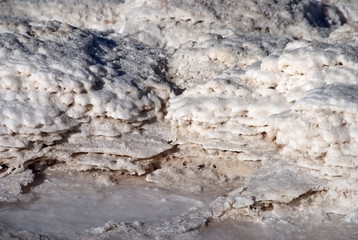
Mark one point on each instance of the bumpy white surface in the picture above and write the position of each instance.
(87, 91)
(255, 98)
(212, 54)
(222, 114)
(172, 23)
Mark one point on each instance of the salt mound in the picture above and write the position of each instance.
(303, 66)
(75, 96)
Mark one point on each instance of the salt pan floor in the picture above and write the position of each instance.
(67, 205)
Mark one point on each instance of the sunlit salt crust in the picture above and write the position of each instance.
(256, 99)
(87, 91)
(166, 23)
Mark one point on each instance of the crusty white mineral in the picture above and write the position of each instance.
(72, 95)
(222, 114)
(249, 106)
(212, 54)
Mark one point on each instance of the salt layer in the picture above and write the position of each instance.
(221, 114)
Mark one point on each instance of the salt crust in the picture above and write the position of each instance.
(222, 114)
(210, 55)
(166, 23)
(327, 130)
(287, 102)
(299, 105)
(60, 84)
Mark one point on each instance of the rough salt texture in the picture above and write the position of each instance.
(326, 121)
(255, 98)
(78, 96)
(172, 23)
(298, 105)
(203, 59)
(225, 115)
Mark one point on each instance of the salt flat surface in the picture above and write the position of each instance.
(248, 106)
(67, 204)
(281, 230)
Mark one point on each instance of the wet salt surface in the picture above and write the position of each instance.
(231, 230)
(67, 204)
(64, 207)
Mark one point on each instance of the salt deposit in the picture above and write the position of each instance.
(59, 84)
(250, 106)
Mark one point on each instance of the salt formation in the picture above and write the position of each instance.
(251, 102)
(75, 96)
(172, 23)
(223, 115)
(212, 54)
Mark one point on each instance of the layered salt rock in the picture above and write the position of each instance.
(298, 104)
(195, 169)
(79, 97)
(326, 136)
(320, 80)
(315, 165)
(222, 114)
(95, 101)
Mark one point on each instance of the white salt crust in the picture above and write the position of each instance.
(222, 114)
(258, 99)
(172, 23)
(299, 105)
(62, 84)
(212, 54)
